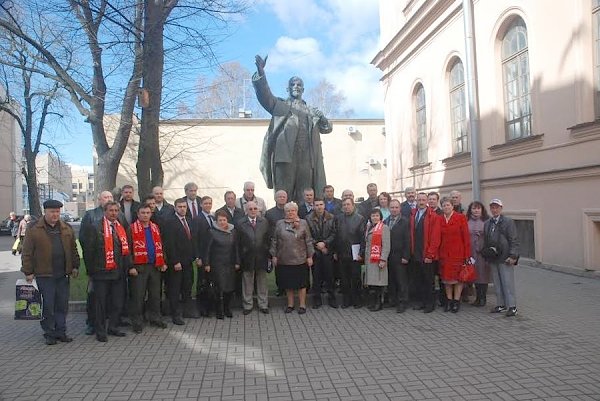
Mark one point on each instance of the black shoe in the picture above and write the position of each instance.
(344, 306)
(455, 306)
(115, 332)
(301, 310)
(400, 307)
(429, 309)
(499, 309)
(358, 305)
(418, 307)
(64, 339)
(178, 321)
(158, 323)
(90, 330)
(228, 313)
(247, 311)
(101, 338)
(332, 301)
(289, 309)
(512, 311)
(317, 305)
(137, 328)
(264, 311)
(51, 341)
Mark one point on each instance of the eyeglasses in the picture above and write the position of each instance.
(252, 208)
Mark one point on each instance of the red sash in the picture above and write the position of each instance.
(108, 243)
(140, 251)
(376, 242)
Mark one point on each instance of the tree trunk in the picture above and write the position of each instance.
(33, 193)
(149, 166)
(105, 178)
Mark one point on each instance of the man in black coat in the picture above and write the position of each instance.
(332, 204)
(350, 233)
(398, 257)
(273, 215)
(234, 213)
(192, 200)
(322, 229)
(372, 201)
(181, 250)
(253, 246)
(129, 206)
(106, 269)
(163, 208)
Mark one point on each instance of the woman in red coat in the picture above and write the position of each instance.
(455, 251)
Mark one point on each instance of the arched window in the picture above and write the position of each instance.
(515, 71)
(458, 115)
(421, 120)
(596, 28)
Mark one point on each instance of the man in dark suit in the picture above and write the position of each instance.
(181, 252)
(273, 215)
(192, 200)
(332, 204)
(398, 257)
(234, 213)
(410, 203)
(307, 205)
(129, 206)
(253, 245)
(425, 236)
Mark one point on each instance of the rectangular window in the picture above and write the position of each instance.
(526, 235)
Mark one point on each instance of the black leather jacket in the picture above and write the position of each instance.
(350, 229)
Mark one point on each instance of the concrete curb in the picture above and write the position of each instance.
(571, 270)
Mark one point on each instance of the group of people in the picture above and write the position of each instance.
(379, 251)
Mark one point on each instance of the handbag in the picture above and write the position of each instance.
(467, 273)
(28, 303)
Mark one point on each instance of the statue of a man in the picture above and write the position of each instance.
(292, 159)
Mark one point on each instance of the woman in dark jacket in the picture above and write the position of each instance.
(477, 216)
(221, 262)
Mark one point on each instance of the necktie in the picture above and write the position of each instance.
(253, 223)
(194, 210)
(187, 228)
(419, 215)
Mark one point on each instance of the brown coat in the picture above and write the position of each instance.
(37, 249)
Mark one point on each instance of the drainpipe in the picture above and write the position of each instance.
(471, 85)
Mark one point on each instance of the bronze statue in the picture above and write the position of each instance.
(291, 158)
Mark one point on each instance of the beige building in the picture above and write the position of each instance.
(220, 155)
(11, 180)
(54, 178)
(538, 68)
(82, 190)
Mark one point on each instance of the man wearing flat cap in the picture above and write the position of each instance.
(50, 256)
(501, 250)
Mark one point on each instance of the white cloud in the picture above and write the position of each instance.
(332, 39)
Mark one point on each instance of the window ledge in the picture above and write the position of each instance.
(420, 167)
(589, 129)
(517, 145)
(458, 160)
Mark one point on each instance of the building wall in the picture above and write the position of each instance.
(220, 155)
(550, 177)
(54, 177)
(10, 162)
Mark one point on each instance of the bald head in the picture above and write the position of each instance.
(104, 197)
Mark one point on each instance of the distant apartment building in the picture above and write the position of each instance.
(537, 67)
(82, 190)
(54, 178)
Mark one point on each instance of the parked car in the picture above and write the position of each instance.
(66, 217)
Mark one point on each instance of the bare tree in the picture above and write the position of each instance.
(29, 101)
(327, 98)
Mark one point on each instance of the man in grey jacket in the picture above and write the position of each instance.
(501, 250)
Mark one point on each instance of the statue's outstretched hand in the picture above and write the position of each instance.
(260, 64)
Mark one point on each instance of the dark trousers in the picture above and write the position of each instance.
(351, 282)
(90, 305)
(397, 282)
(108, 301)
(147, 280)
(322, 272)
(425, 284)
(179, 288)
(55, 304)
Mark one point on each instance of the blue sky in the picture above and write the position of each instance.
(314, 39)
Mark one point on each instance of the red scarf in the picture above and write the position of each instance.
(376, 242)
(108, 243)
(140, 252)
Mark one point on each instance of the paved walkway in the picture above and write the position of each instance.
(551, 351)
